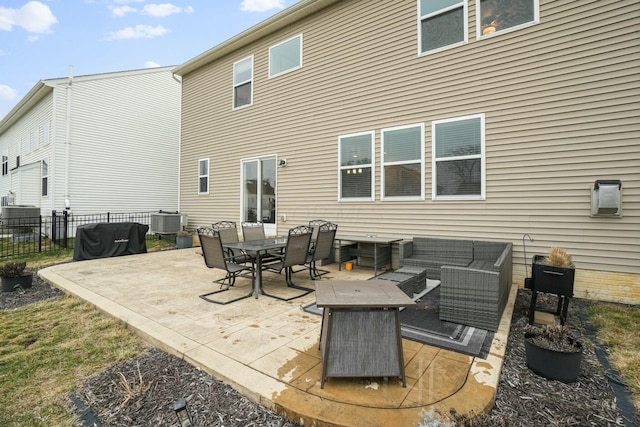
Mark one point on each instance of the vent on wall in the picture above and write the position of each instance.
(606, 198)
(166, 223)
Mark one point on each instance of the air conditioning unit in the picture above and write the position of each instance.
(20, 216)
(166, 223)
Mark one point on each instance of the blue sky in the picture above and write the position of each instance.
(40, 39)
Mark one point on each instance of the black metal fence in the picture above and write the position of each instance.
(30, 235)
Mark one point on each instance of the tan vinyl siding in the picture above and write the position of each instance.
(561, 101)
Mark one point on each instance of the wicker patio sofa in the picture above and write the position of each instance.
(475, 277)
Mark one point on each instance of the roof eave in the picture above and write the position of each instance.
(287, 17)
(35, 95)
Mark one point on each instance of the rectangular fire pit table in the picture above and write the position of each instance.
(360, 334)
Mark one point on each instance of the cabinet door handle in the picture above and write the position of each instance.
(556, 273)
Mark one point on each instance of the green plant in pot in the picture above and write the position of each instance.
(13, 276)
(553, 352)
(184, 239)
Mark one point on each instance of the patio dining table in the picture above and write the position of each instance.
(260, 248)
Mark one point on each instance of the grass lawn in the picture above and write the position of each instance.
(618, 328)
(49, 349)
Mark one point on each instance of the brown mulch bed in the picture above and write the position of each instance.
(142, 390)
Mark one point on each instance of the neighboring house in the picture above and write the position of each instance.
(479, 119)
(95, 143)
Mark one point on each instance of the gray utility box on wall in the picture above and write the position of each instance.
(166, 223)
(606, 198)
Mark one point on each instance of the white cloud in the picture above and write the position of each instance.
(138, 32)
(35, 17)
(261, 5)
(7, 93)
(164, 9)
(122, 10)
(151, 64)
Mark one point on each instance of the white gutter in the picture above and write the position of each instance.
(67, 140)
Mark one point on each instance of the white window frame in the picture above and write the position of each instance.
(372, 165)
(242, 82)
(288, 70)
(201, 176)
(421, 17)
(44, 186)
(479, 29)
(481, 156)
(403, 162)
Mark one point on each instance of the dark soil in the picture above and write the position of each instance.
(142, 390)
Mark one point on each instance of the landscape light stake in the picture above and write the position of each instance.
(184, 417)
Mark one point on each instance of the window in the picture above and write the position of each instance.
(403, 162)
(243, 83)
(203, 176)
(356, 167)
(459, 158)
(498, 16)
(45, 177)
(286, 56)
(5, 164)
(443, 24)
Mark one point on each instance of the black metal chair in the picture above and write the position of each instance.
(321, 249)
(255, 231)
(215, 257)
(295, 253)
(229, 234)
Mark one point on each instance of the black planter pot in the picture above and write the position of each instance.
(183, 242)
(551, 364)
(12, 283)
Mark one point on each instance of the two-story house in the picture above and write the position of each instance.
(481, 119)
(94, 143)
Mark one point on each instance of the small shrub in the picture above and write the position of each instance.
(559, 257)
(553, 337)
(183, 233)
(12, 269)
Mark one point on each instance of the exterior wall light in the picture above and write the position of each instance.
(182, 413)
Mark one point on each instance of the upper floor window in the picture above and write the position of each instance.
(356, 167)
(403, 162)
(285, 56)
(5, 164)
(243, 83)
(443, 24)
(498, 16)
(203, 176)
(459, 158)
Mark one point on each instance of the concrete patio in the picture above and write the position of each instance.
(268, 349)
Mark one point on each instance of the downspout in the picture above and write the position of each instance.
(179, 141)
(67, 140)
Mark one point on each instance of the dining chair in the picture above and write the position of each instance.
(253, 231)
(215, 257)
(295, 253)
(229, 234)
(315, 224)
(321, 249)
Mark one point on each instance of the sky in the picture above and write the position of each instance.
(39, 40)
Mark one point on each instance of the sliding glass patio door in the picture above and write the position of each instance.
(259, 192)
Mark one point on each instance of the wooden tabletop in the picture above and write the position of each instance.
(360, 294)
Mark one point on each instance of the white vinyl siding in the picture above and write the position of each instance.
(286, 56)
(203, 176)
(459, 158)
(442, 24)
(403, 163)
(243, 83)
(497, 17)
(356, 173)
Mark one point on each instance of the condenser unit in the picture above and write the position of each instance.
(166, 223)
